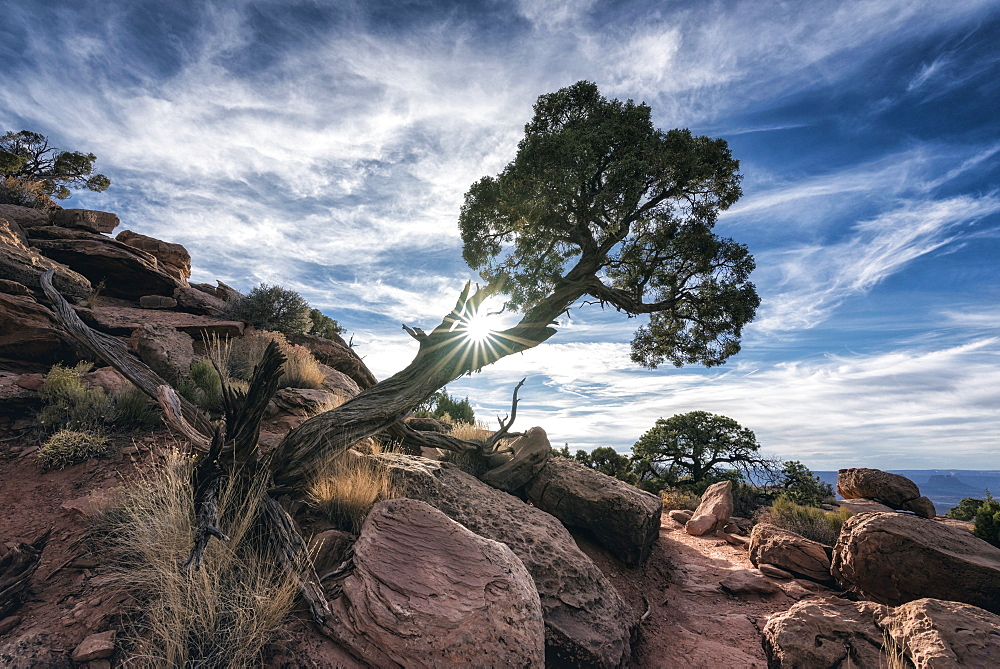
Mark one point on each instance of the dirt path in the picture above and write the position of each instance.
(692, 622)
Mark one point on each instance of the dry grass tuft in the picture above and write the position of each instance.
(347, 488)
(239, 356)
(221, 615)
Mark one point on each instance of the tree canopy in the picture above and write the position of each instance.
(693, 445)
(598, 202)
(27, 155)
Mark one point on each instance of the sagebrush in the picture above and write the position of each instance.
(70, 447)
(807, 521)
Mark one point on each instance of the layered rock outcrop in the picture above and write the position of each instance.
(789, 552)
(893, 490)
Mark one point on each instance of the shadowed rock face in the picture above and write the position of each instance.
(895, 558)
(29, 333)
(623, 519)
(23, 264)
(586, 622)
(427, 592)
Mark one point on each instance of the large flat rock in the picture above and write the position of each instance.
(586, 622)
(122, 321)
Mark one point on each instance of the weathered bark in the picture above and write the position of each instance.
(444, 355)
(16, 569)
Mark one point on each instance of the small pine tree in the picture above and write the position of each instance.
(273, 308)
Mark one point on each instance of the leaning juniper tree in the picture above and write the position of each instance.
(597, 207)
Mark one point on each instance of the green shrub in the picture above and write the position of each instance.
(810, 522)
(966, 509)
(207, 385)
(323, 325)
(273, 308)
(131, 409)
(802, 486)
(749, 499)
(68, 403)
(987, 521)
(69, 447)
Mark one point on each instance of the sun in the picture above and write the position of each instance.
(477, 327)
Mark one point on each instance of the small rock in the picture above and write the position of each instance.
(30, 381)
(681, 516)
(922, 506)
(749, 582)
(795, 590)
(85, 219)
(700, 524)
(9, 623)
(865, 506)
(773, 571)
(95, 647)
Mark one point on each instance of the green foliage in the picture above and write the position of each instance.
(206, 386)
(808, 521)
(966, 509)
(608, 461)
(802, 486)
(444, 407)
(70, 447)
(987, 521)
(272, 308)
(27, 156)
(748, 499)
(564, 451)
(692, 447)
(679, 498)
(68, 403)
(131, 409)
(323, 325)
(601, 202)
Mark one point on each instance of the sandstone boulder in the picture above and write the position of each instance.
(122, 321)
(895, 558)
(623, 520)
(772, 571)
(681, 516)
(529, 454)
(85, 219)
(25, 265)
(790, 552)
(922, 506)
(936, 634)
(890, 489)
(713, 513)
(166, 350)
(14, 288)
(127, 272)
(586, 621)
(862, 505)
(329, 549)
(173, 258)
(107, 379)
(157, 302)
(15, 400)
(29, 333)
(339, 383)
(196, 301)
(825, 634)
(95, 647)
(427, 592)
(303, 401)
(337, 354)
(26, 217)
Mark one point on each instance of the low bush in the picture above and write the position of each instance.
(272, 308)
(347, 488)
(679, 498)
(749, 499)
(221, 615)
(132, 409)
(68, 403)
(24, 193)
(323, 325)
(810, 522)
(966, 509)
(987, 521)
(70, 447)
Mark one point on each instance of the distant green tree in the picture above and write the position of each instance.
(272, 308)
(443, 405)
(987, 521)
(695, 446)
(802, 486)
(966, 509)
(608, 461)
(323, 325)
(27, 156)
(563, 452)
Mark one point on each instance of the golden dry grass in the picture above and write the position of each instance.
(221, 615)
(348, 486)
(238, 357)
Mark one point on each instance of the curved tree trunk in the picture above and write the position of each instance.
(444, 355)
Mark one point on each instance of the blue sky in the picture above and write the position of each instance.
(326, 147)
